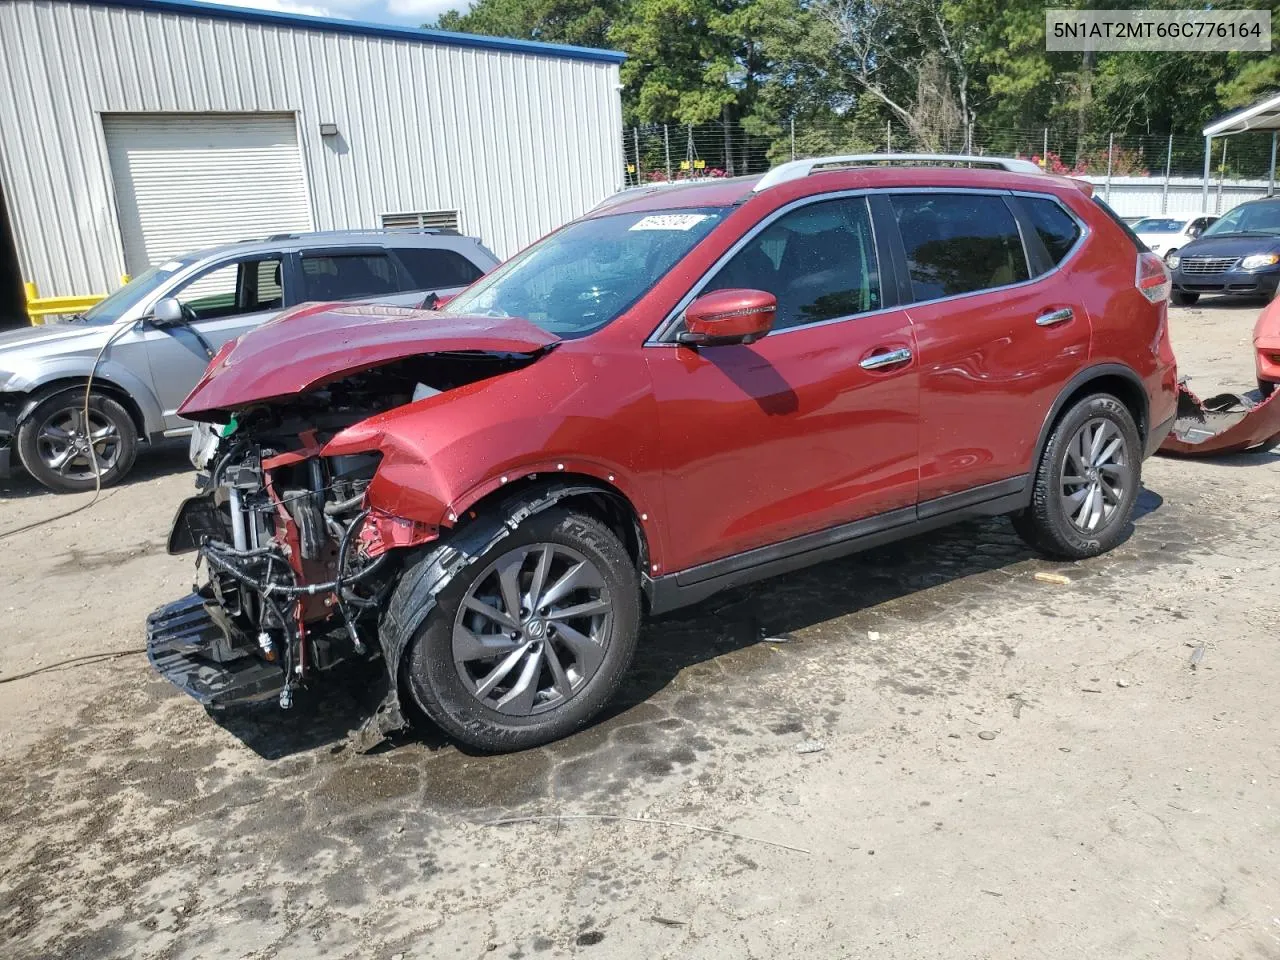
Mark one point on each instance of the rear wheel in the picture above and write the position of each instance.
(63, 451)
(1182, 299)
(1086, 482)
(529, 642)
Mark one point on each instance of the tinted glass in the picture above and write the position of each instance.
(432, 269)
(1261, 218)
(233, 289)
(958, 243)
(348, 277)
(819, 261)
(1056, 229)
(586, 274)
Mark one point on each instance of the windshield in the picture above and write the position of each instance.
(1248, 218)
(114, 307)
(586, 275)
(1157, 225)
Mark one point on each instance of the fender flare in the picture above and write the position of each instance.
(1082, 379)
(414, 596)
(613, 482)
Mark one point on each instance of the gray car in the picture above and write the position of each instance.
(147, 344)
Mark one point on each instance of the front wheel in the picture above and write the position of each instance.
(1181, 298)
(530, 640)
(1086, 482)
(64, 451)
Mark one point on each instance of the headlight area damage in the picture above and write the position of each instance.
(1226, 423)
(295, 557)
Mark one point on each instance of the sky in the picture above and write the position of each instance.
(407, 13)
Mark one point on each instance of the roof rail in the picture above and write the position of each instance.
(371, 231)
(796, 169)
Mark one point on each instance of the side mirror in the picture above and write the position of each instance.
(434, 301)
(168, 313)
(728, 316)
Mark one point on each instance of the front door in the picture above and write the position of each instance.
(222, 302)
(808, 428)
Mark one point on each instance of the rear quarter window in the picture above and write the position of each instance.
(432, 269)
(1057, 229)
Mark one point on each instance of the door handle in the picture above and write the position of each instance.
(888, 359)
(1055, 317)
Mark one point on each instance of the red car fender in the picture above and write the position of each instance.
(444, 454)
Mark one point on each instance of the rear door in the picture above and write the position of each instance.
(224, 300)
(999, 331)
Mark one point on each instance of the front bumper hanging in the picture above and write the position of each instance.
(191, 650)
(1226, 423)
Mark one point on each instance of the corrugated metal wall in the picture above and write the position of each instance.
(519, 142)
(1145, 196)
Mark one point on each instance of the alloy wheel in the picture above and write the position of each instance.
(69, 445)
(1095, 475)
(532, 629)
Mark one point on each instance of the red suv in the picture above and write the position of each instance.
(690, 388)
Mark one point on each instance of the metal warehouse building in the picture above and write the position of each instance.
(139, 129)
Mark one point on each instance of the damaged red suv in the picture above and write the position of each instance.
(690, 388)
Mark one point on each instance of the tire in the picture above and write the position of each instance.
(1050, 524)
(1265, 388)
(1183, 299)
(503, 718)
(54, 427)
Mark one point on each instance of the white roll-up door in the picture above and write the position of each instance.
(187, 181)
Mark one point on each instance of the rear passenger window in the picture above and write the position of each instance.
(347, 277)
(432, 269)
(1055, 228)
(958, 243)
(819, 261)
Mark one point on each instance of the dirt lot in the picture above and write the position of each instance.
(1008, 768)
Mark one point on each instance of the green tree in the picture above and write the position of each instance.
(584, 23)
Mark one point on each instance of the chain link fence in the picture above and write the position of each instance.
(661, 153)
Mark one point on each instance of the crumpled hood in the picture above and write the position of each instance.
(305, 348)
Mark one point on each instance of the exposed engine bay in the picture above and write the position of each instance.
(294, 562)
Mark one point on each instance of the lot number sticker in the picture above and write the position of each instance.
(670, 221)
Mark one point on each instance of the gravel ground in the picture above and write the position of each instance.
(936, 755)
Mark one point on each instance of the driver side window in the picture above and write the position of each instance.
(818, 260)
(233, 289)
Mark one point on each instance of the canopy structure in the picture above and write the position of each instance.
(1263, 115)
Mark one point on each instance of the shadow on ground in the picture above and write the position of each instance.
(720, 625)
(154, 461)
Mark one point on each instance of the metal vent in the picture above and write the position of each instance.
(1207, 265)
(442, 220)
